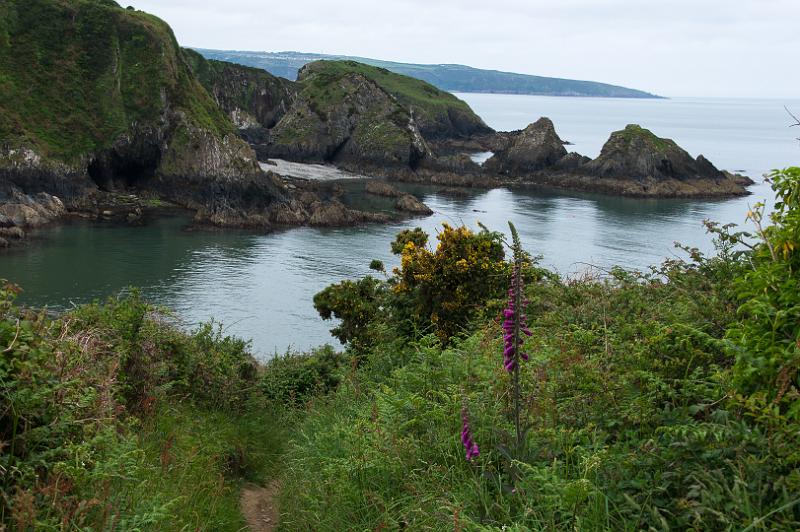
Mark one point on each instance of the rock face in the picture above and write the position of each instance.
(535, 148)
(351, 113)
(438, 114)
(343, 116)
(252, 98)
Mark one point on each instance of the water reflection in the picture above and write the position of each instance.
(261, 286)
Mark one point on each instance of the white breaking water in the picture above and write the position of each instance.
(313, 172)
(481, 157)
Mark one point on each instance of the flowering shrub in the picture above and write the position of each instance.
(447, 286)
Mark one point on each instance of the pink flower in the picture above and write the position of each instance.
(470, 446)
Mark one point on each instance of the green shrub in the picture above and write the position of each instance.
(768, 335)
(357, 304)
(112, 418)
(295, 378)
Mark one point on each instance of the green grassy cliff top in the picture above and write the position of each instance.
(77, 74)
(438, 112)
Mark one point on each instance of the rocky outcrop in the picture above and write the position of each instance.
(343, 119)
(535, 148)
(405, 202)
(350, 113)
(20, 211)
(439, 115)
(633, 162)
(636, 153)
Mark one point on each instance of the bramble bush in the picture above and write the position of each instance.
(293, 379)
(767, 336)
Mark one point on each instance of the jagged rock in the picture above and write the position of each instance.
(18, 209)
(408, 203)
(535, 148)
(571, 162)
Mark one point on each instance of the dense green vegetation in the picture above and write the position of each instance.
(111, 418)
(98, 70)
(456, 78)
(659, 400)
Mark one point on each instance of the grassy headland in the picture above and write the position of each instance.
(98, 71)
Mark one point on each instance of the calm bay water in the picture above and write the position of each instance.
(261, 286)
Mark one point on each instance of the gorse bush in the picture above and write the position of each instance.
(439, 290)
(448, 286)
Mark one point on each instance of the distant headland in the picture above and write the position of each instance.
(453, 78)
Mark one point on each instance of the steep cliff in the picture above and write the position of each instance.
(252, 97)
(97, 96)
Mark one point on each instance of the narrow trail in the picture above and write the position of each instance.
(260, 506)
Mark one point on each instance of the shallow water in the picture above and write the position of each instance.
(261, 286)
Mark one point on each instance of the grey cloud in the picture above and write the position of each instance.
(672, 47)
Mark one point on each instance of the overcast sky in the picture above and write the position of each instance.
(671, 47)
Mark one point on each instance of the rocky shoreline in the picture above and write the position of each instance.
(194, 135)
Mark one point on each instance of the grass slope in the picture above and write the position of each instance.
(77, 74)
(438, 113)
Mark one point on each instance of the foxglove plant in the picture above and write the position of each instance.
(470, 446)
(514, 327)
